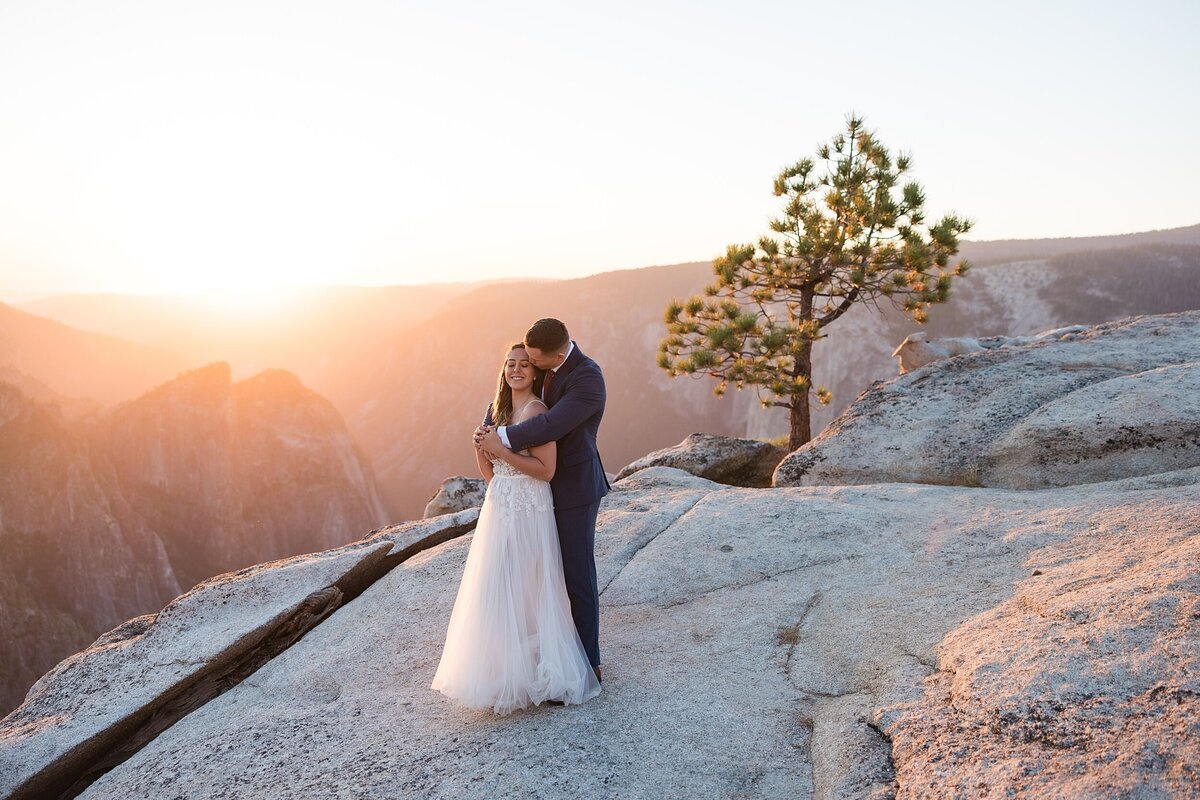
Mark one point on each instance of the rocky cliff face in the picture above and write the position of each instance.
(114, 515)
(74, 557)
(887, 639)
(239, 473)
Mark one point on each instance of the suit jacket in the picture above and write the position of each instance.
(576, 405)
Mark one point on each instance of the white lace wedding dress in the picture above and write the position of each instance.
(511, 641)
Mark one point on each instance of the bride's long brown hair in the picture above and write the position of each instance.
(502, 406)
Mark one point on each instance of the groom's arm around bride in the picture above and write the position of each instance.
(578, 398)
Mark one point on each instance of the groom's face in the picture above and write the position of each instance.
(544, 359)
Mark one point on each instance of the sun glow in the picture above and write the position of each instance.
(242, 208)
(152, 147)
(245, 303)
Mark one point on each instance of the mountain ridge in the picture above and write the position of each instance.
(405, 383)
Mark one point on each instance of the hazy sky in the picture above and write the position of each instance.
(169, 146)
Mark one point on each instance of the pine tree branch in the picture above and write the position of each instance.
(842, 308)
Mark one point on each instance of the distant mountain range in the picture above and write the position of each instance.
(1009, 250)
(77, 363)
(411, 368)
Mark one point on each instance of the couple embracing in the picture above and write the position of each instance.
(526, 621)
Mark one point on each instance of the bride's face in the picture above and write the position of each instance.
(518, 371)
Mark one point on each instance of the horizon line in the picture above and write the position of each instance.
(13, 297)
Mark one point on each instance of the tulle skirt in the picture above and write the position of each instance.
(511, 641)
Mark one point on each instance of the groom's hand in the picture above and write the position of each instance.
(491, 441)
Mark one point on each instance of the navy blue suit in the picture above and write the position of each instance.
(576, 405)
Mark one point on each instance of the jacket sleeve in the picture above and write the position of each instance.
(583, 398)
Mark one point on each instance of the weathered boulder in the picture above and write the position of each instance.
(735, 462)
(457, 493)
(1113, 401)
(1130, 425)
(235, 473)
(918, 349)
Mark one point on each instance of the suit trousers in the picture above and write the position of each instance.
(577, 540)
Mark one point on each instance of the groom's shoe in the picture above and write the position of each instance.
(597, 671)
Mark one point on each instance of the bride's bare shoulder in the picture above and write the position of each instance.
(532, 409)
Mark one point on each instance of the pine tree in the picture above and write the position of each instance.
(850, 233)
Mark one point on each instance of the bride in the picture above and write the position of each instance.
(511, 641)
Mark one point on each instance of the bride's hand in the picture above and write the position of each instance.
(477, 437)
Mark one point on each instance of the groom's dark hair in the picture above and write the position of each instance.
(548, 335)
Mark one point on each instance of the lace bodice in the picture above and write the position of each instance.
(501, 467)
(514, 492)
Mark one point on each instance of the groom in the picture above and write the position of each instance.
(573, 390)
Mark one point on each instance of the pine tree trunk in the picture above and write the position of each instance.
(801, 419)
(801, 422)
(801, 430)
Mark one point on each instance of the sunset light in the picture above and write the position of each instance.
(159, 147)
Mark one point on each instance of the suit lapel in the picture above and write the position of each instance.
(560, 377)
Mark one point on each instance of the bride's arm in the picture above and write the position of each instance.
(541, 459)
(582, 400)
(485, 466)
